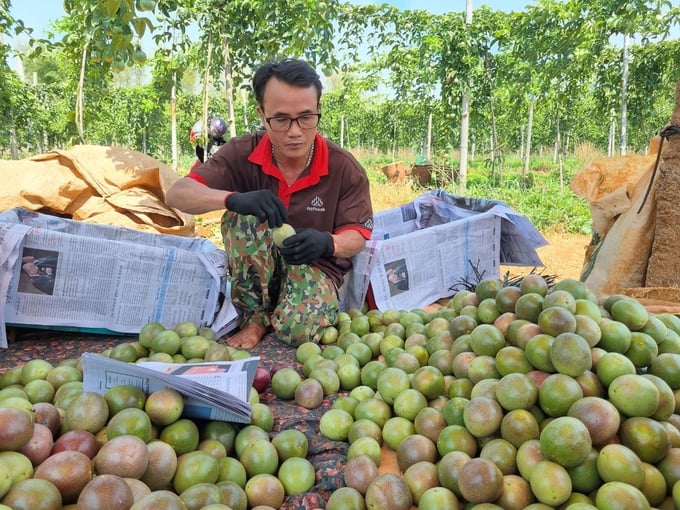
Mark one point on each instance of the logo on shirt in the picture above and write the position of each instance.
(369, 224)
(316, 205)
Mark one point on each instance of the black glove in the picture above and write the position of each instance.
(262, 204)
(306, 246)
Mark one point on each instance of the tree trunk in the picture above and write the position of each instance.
(173, 114)
(173, 122)
(558, 137)
(624, 93)
(492, 152)
(464, 120)
(14, 150)
(394, 142)
(342, 130)
(428, 150)
(612, 133)
(530, 125)
(558, 150)
(244, 100)
(206, 85)
(79, 95)
(496, 160)
(229, 88)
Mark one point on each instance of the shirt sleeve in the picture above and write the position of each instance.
(355, 210)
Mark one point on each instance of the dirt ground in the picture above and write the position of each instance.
(563, 256)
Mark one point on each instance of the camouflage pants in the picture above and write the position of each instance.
(298, 302)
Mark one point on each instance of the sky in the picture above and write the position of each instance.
(38, 15)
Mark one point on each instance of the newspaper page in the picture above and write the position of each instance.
(109, 232)
(213, 390)
(432, 263)
(74, 274)
(394, 222)
(387, 224)
(352, 293)
(519, 238)
(10, 242)
(424, 249)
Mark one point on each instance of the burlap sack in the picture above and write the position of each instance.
(634, 203)
(97, 184)
(622, 237)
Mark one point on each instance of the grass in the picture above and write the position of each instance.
(543, 196)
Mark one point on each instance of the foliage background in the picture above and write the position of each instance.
(550, 87)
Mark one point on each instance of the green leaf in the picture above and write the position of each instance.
(140, 25)
(111, 7)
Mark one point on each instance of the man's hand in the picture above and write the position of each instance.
(306, 246)
(262, 204)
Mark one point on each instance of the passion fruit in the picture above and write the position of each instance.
(280, 234)
(16, 428)
(389, 491)
(70, 471)
(106, 491)
(480, 481)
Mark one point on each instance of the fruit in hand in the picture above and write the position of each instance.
(280, 234)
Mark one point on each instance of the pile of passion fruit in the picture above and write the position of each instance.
(531, 395)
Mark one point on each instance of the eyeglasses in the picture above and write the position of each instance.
(306, 121)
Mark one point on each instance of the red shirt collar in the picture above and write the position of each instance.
(262, 155)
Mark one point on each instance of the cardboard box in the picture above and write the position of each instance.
(61, 273)
(428, 249)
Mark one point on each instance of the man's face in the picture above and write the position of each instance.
(31, 269)
(283, 100)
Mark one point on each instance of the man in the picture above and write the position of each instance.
(398, 276)
(41, 272)
(286, 173)
(217, 128)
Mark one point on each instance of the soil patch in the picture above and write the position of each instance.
(563, 256)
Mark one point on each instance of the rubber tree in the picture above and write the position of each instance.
(435, 60)
(105, 37)
(13, 92)
(350, 110)
(242, 34)
(630, 20)
(414, 48)
(553, 56)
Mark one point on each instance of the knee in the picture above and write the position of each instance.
(294, 332)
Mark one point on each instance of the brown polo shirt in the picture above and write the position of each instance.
(332, 195)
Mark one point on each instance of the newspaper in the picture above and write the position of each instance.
(417, 269)
(425, 250)
(394, 222)
(213, 390)
(519, 238)
(63, 273)
(11, 237)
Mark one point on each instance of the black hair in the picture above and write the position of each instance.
(291, 71)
